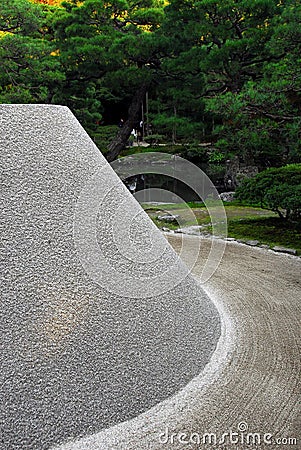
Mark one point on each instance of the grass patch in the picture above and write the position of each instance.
(267, 230)
(136, 149)
(162, 224)
(244, 223)
(238, 212)
(201, 216)
(161, 208)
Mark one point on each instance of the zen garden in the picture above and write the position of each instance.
(150, 224)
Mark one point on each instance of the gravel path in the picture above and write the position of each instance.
(252, 384)
(261, 383)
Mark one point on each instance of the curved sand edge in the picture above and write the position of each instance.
(253, 376)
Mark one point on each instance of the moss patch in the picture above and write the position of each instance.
(244, 223)
(267, 230)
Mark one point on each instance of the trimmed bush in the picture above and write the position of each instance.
(277, 189)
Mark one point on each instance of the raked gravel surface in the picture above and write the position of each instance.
(95, 305)
(252, 383)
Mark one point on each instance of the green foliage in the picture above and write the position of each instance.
(174, 127)
(228, 73)
(268, 231)
(246, 57)
(20, 17)
(155, 139)
(216, 157)
(216, 172)
(194, 152)
(30, 70)
(277, 189)
(244, 223)
(28, 73)
(103, 136)
(110, 45)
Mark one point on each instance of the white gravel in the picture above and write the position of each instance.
(252, 382)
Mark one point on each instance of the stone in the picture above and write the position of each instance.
(168, 217)
(289, 251)
(100, 319)
(252, 243)
(194, 230)
(227, 196)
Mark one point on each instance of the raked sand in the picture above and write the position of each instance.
(100, 319)
(251, 387)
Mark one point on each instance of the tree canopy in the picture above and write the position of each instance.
(227, 73)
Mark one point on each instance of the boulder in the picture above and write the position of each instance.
(168, 217)
(227, 196)
(289, 251)
(252, 243)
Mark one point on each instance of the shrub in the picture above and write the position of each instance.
(104, 135)
(277, 189)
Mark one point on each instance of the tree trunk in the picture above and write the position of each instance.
(118, 144)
